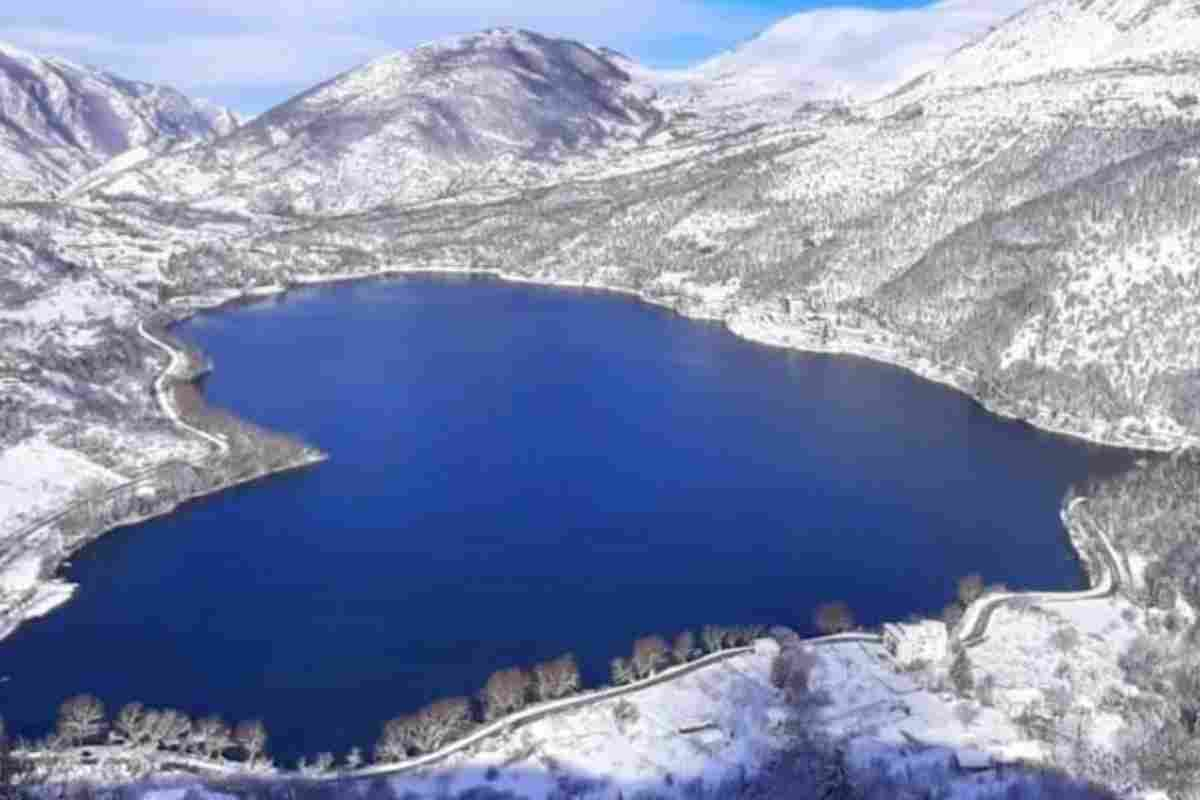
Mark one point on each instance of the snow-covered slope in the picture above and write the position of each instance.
(59, 120)
(837, 53)
(1063, 36)
(415, 125)
(1020, 222)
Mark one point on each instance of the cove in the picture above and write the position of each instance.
(517, 472)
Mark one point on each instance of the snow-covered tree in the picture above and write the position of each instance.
(683, 647)
(557, 678)
(834, 618)
(251, 737)
(649, 654)
(622, 671)
(506, 691)
(81, 719)
(212, 736)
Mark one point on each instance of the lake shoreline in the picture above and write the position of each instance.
(51, 592)
(751, 328)
(762, 328)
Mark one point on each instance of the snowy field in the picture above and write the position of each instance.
(37, 478)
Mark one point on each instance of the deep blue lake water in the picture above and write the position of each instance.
(519, 472)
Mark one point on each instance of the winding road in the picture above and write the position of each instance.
(978, 615)
(175, 366)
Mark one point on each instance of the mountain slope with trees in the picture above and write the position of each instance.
(416, 125)
(58, 121)
(1021, 221)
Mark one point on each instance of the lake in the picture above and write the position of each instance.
(518, 472)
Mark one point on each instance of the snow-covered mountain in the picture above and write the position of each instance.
(1060, 37)
(415, 125)
(1022, 221)
(59, 120)
(837, 53)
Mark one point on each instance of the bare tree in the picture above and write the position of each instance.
(251, 737)
(506, 691)
(834, 618)
(168, 729)
(970, 588)
(319, 765)
(713, 637)
(622, 671)
(741, 635)
(791, 671)
(683, 647)
(354, 759)
(395, 740)
(649, 653)
(212, 736)
(440, 723)
(130, 725)
(557, 678)
(80, 719)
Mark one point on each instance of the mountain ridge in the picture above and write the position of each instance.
(1023, 227)
(59, 120)
(423, 119)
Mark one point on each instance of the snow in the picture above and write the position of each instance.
(1052, 36)
(37, 477)
(634, 741)
(721, 247)
(130, 158)
(851, 52)
(81, 118)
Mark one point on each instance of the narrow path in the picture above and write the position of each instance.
(176, 363)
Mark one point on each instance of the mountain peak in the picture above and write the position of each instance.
(445, 109)
(844, 53)
(61, 120)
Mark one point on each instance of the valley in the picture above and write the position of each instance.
(1015, 222)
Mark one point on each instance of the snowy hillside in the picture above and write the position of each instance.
(875, 218)
(59, 121)
(838, 53)
(1021, 222)
(415, 125)
(1063, 36)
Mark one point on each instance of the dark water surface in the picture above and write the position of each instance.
(517, 472)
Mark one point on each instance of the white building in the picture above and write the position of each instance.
(909, 643)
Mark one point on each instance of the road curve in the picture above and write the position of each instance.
(978, 615)
(175, 364)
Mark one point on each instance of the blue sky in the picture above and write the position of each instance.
(251, 54)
